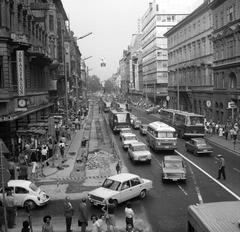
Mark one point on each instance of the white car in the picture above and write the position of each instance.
(124, 131)
(136, 124)
(26, 193)
(138, 151)
(132, 118)
(127, 139)
(121, 187)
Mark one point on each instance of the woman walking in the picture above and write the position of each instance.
(129, 216)
(109, 210)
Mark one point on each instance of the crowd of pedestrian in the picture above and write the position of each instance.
(229, 131)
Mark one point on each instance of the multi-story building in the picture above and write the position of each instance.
(190, 57)
(161, 16)
(226, 63)
(32, 62)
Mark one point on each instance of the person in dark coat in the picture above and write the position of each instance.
(83, 215)
(68, 213)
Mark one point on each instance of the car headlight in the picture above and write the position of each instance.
(158, 143)
(174, 144)
(165, 175)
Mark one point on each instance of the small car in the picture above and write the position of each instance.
(139, 151)
(173, 168)
(121, 187)
(125, 131)
(149, 110)
(27, 193)
(143, 129)
(127, 139)
(198, 146)
(132, 118)
(136, 124)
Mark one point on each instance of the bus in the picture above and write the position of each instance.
(187, 125)
(214, 217)
(106, 105)
(118, 119)
(161, 136)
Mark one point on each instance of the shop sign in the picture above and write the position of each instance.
(21, 73)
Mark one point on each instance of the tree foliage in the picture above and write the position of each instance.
(93, 83)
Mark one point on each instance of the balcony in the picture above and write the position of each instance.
(37, 51)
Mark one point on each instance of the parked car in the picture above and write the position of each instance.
(136, 124)
(125, 131)
(143, 129)
(26, 193)
(139, 151)
(149, 110)
(121, 187)
(198, 146)
(173, 168)
(127, 139)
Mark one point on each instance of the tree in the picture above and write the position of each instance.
(108, 86)
(93, 83)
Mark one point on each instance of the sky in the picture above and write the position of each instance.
(112, 23)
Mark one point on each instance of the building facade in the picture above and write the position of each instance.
(190, 58)
(226, 63)
(32, 62)
(160, 17)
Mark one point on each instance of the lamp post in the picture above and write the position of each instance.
(77, 98)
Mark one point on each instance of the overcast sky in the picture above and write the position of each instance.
(112, 23)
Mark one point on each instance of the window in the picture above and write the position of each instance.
(20, 190)
(230, 13)
(222, 20)
(156, 7)
(216, 21)
(125, 185)
(135, 181)
(230, 49)
(51, 23)
(1, 74)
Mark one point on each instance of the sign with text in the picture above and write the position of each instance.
(21, 73)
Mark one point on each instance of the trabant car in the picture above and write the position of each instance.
(139, 152)
(124, 131)
(173, 168)
(26, 193)
(143, 129)
(121, 187)
(198, 146)
(127, 139)
(136, 124)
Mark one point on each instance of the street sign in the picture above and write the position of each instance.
(231, 105)
(167, 98)
(4, 169)
(208, 103)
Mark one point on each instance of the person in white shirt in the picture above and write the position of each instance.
(129, 216)
(62, 147)
(44, 153)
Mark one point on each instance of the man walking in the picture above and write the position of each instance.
(10, 209)
(68, 213)
(83, 215)
(221, 170)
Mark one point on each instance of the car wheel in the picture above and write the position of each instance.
(163, 180)
(31, 204)
(115, 202)
(142, 194)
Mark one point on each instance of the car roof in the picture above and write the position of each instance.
(137, 144)
(22, 183)
(123, 176)
(128, 134)
(127, 129)
(198, 139)
(173, 158)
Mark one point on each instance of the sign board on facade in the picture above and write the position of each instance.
(231, 105)
(167, 98)
(208, 102)
(21, 73)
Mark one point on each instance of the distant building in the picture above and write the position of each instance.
(190, 57)
(226, 63)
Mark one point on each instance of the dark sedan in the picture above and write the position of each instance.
(198, 146)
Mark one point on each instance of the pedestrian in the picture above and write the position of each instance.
(231, 134)
(100, 221)
(50, 148)
(2, 219)
(22, 158)
(10, 209)
(47, 226)
(11, 168)
(220, 131)
(44, 153)
(83, 215)
(226, 132)
(129, 214)
(234, 135)
(109, 210)
(68, 213)
(118, 167)
(62, 148)
(221, 169)
(25, 226)
(23, 172)
(95, 224)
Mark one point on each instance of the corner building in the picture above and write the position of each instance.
(190, 58)
(226, 63)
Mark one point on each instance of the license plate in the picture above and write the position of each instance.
(174, 179)
(204, 150)
(142, 159)
(167, 146)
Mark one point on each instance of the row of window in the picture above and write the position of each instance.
(224, 17)
(226, 49)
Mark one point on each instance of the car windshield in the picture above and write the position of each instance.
(202, 143)
(173, 164)
(140, 148)
(131, 138)
(165, 135)
(33, 187)
(195, 120)
(111, 184)
(126, 131)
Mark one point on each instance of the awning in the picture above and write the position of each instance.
(21, 114)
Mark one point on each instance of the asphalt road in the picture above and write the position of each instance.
(166, 204)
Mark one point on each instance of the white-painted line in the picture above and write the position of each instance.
(182, 189)
(236, 169)
(228, 190)
(157, 161)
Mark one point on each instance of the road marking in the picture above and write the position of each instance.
(228, 190)
(236, 169)
(157, 160)
(182, 189)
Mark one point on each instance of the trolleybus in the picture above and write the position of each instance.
(119, 119)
